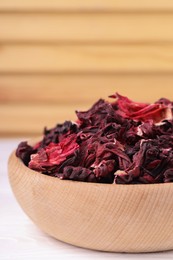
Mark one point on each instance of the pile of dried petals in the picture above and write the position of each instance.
(122, 142)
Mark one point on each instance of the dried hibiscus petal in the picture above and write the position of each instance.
(53, 154)
(24, 151)
(123, 142)
(78, 174)
(138, 111)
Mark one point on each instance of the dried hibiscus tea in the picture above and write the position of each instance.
(120, 142)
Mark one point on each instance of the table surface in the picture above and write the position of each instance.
(20, 239)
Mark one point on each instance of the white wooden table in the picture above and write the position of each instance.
(20, 239)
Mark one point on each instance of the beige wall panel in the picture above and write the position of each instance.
(31, 119)
(57, 5)
(86, 58)
(82, 89)
(102, 27)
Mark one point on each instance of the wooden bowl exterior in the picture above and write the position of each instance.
(107, 217)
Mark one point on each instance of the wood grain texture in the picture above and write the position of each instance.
(110, 5)
(86, 27)
(22, 58)
(77, 89)
(31, 119)
(107, 217)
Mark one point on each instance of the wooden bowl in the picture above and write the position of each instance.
(107, 217)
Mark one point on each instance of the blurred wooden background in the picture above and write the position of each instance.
(59, 56)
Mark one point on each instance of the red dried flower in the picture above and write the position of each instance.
(123, 142)
(53, 154)
(158, 111)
